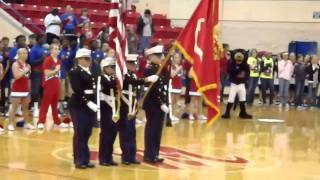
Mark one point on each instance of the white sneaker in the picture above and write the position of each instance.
(287, 106)
(29, 126)
(300, 108)
(203, 117)
(191, 117)
(62, 125)
(71, 125)
(40, 126)
(10, 127)
(174, 118)
(1, 130)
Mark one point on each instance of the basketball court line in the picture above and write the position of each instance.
(40, 172)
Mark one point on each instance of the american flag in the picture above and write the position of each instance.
(117, 38)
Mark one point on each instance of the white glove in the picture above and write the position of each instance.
(152, 78)
(93, 106)
(165, 108)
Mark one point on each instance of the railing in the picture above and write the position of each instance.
(21, 18)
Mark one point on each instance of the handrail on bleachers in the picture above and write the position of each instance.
(22, 19)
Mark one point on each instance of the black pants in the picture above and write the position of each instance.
(127, 135)
(267, 83)
(36, 88)
(50, 37)
(108, 134)
(153, 132)
(83, 119)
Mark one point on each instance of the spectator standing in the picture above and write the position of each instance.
(37, 56)
(299, 74)
(285, 72)
(311, 75)
(254, 64)
(52, 22)
(84, 17)
(145, 30)
(132, 40)
(267, 74)
(69, 21)
(224, 69)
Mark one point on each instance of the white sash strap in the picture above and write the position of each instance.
(19, 94)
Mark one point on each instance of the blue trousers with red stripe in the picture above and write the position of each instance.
(153, 132)
(108, 133)
(127, 135)
(83, 121)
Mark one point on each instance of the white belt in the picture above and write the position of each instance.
(90, 91)
(127, 92)
(108, 99)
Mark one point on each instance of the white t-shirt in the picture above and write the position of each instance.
(54, 29)
(147, 28)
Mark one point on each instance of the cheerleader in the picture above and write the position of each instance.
(20, 93)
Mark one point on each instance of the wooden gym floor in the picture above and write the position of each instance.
(231, 150)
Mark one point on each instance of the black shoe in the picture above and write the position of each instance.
(148, 160)
(243, 113)
(135, 162)
(126, 163)
(245, 116)
(90, 165)
(226, 115)
(159, 160)
(83, 166)
(111, 163)
(185, 116)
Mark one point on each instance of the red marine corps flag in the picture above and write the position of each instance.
(199, 44)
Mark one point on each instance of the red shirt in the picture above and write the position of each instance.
(50, 64)
(142, 66)
(224, 64)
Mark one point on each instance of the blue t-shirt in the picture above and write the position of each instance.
(96, 57)
(37, 52)
(71, 25)
(13, 53)
(66, 62)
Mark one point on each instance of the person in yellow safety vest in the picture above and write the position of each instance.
(254, 63)
(266, 77)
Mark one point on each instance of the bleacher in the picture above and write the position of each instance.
(36, 10)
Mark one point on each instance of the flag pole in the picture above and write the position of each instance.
(164, 63)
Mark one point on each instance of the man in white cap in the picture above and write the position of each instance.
(109, 112)
(82, 107)
(128, 110)
(155, 106)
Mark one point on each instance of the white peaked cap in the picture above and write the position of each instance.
(132, 57)
(108, 61)
(83, 53)
(155, 50)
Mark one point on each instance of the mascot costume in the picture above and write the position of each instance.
(239, 71)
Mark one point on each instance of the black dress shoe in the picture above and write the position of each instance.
(83, 166)
(111, 163)
(126, 163)
(149, 160)
(135, 162)
(159, 160)
(90, 165)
